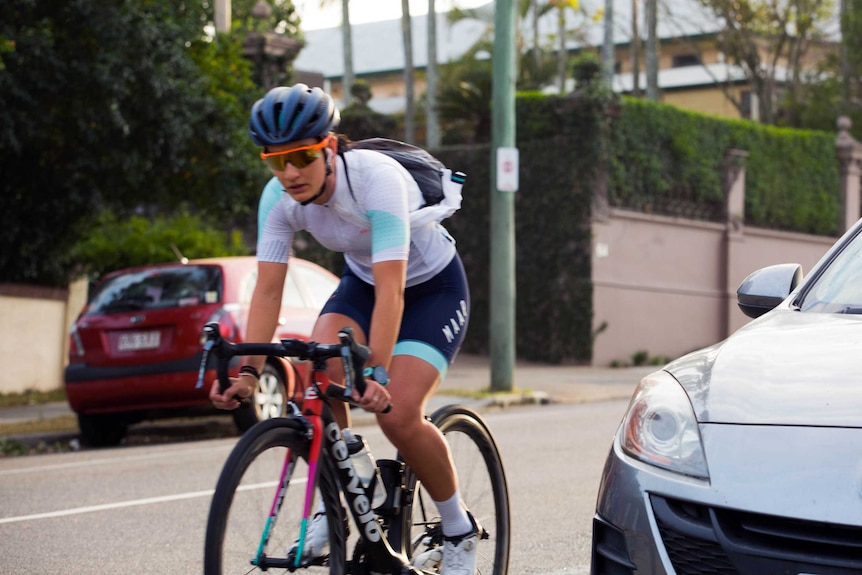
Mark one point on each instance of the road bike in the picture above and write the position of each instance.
(266, 493)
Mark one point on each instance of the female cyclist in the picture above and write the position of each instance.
(403, 290)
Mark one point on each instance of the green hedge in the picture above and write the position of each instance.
(669, 161)
(558, 161)
(659, 159)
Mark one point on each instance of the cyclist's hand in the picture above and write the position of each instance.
(241, 388)
(375, 399)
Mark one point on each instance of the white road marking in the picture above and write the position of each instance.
(104, 461)
(134, 502)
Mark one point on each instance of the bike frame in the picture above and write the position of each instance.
(325, 434)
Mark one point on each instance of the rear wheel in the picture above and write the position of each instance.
(481, 483)
(106, 430)
(270, 399)
(236, 541)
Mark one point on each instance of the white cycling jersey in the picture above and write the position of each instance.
(372, 224)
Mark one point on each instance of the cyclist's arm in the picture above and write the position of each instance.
(265, 308)
(386, 207)
(262, 319)
(389, 279)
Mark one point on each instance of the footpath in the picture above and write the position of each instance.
(534, 384)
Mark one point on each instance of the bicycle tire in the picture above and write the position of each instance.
(244, 496)
(482, 485)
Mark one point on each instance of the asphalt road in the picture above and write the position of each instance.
(143, 508)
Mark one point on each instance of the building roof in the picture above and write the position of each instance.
(378, 46)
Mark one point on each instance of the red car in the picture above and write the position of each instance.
(135, 350)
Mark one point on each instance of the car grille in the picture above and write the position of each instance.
(703, 540)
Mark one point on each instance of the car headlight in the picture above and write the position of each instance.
(660, 428)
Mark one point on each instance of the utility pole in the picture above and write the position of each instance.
(502, 296)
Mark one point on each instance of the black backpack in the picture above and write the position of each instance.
(426, 169)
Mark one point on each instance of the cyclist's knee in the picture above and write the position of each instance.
(402, 422)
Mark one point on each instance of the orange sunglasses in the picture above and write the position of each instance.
(296, 157)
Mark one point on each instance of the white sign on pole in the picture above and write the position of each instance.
(507, 169)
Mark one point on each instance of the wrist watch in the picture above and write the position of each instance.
(377, 373)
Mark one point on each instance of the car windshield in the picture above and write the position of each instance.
(158, 288)
(839, 287)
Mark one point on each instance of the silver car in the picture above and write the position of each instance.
(746, 457)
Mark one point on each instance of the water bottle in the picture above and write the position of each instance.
(365, 467)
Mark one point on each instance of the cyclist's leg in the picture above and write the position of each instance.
(423, 447)
(434, 324)
(482, 485)
(419, 442)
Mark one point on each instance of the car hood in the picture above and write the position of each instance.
(785, 368)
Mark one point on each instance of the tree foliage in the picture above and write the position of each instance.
(359, 121)
(118, 104)
(465, 95)
(771, 41)
(120, 242)
(834, 88)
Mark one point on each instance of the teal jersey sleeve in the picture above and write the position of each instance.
(268, 199)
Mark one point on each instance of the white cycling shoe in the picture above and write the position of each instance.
(316, 541)
(429, 561)
(457, 556)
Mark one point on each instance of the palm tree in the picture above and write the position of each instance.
(348, 78)
(432, 127)
(409, 87)
(347, 42)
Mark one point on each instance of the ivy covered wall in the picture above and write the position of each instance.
(644, 156)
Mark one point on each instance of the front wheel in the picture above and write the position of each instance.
(482, 484)
(267, 471)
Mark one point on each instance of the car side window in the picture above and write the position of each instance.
(839, 288)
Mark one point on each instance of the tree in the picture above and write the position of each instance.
(535, 69)
(359, 121)
(432, 127)
(562, 36)
(122, 104)
(409, 82)
(283, 17)
(834, 87)
(769, 41)
(348, 78)
(465, 97)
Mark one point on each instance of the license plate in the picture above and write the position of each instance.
(138, 340)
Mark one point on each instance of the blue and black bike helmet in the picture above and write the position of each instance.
(290, 114)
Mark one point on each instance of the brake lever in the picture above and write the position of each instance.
(211, 332)
(347, 364)
(208, 345)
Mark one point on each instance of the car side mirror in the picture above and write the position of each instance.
(764, 289)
